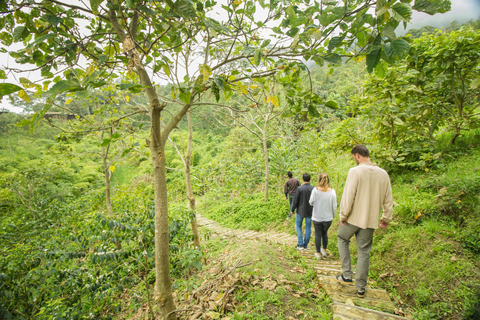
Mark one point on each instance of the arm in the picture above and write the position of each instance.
(285, 190)
(312, 198)
(348, 197)
(387, 205)
(334, 203)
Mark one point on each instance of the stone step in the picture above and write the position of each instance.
(385, 306)
(324, 262)
(328, 271)
(343, 311)
(378, 294)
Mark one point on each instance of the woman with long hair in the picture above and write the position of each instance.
(324, 202)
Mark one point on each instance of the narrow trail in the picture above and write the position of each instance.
(346, 305)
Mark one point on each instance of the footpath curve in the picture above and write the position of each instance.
(346, 305)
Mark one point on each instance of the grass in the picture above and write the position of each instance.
(295, 295)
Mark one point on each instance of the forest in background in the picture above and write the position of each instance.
(420, 120)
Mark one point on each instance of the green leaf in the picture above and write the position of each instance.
(396, 48)
(265, 43)
(313, 111)
(185, 96)
(132, 87)
(292, 32)
(53, 20)
(333, 58)
(20, 33)
(389, 32)
(403, 10)
(70, 85)
(8, 88)
(105, 142)
(475, 83)
(431, 7)
(334, 42)
(373, 58)
(94, 4)
(331, 104)
(185, 9)
(257, 58)
(147, 11)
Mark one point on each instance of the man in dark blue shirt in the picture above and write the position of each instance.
(304, 211)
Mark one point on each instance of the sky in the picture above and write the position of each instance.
(461, 11)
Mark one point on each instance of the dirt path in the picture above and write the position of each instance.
(377, 304)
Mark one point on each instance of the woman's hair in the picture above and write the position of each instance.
(323, 181)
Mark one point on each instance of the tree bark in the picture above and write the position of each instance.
(190, 196)
(108, 201)
(163, 286)
(267, 171)
(106, 172)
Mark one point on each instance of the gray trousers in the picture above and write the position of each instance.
(364, 239)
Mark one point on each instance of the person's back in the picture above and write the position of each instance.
(324, 204)
(367, 191)
(304, 211)
(302, 197)
(290, 190)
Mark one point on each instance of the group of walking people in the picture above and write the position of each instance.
(366, 193)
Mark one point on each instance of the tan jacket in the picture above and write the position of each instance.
(367, 190)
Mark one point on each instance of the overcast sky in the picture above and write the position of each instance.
(461, 11)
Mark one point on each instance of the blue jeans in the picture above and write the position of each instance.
(303, 242)
(291, 198)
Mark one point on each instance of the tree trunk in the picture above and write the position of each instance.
(191, 197)
(163, 286)
(106, 172)
(265, 154)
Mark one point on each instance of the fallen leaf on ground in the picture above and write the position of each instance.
(299, 312)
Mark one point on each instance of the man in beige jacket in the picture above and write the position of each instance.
(367, 190)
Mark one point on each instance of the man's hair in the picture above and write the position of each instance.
(289, 174)
(306, 177)
(361, 150)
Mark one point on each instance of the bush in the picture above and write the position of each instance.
(247, 212)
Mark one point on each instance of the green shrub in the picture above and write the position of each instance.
(247, 212)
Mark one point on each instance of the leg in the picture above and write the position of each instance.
(308, 231)
(344, 234)
(318, 232)
(291, 197)
(298, 226)
(325, 226)
(364, 245)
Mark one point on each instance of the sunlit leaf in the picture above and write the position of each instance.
(8, 88)
(23, 95)
(70, 85)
